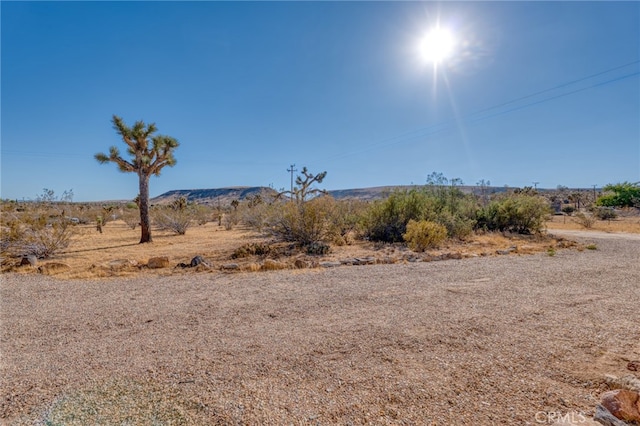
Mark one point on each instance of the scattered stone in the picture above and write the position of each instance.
(507, 251)
(120, 264)
(53, 268)
(329, 264)
(629, 382)
(452, 255)
(633, 366)
(199, 260)
(301, 264)
(29, 260)
(158, 262)
(364, 260)
(347, 262)
(604, 417)
(622, 403)
(230, 267)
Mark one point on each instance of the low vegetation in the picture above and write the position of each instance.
(312, 222)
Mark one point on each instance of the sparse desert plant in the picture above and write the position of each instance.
(176, 218)
(304, 223)
(230, 219)
(568, 210)
(36, 235)
(591, 247)
(605, 213)
(585, 220)
(422, 235)
(386, 221)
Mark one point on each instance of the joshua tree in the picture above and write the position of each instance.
(149, 154)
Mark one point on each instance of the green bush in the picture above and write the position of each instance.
(387, 220)
(424, 234)
(624, 194)
(521, 213)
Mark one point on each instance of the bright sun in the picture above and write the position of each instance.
(437, 45)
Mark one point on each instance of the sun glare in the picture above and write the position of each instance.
(437, 45)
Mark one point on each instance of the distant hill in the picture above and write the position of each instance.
(214, 196)
(224, 196)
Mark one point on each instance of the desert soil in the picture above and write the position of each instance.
(480, 341)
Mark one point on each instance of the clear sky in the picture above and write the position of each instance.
(544, 92)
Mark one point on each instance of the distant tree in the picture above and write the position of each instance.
(303, 188)
(623, 194)
(149, 154)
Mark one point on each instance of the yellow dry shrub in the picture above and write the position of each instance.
(424, 234)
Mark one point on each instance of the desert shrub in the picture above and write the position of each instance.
(447, 205)
(251, 249)
(318, 248)
(176, 217)
(387, 220)
(605, 213)
(38, 236)
(131, 218)
(424, 234)
(256, 215)
(568, 210)
(230, 219)
(516, 212)
(586, 221)
(304, 223)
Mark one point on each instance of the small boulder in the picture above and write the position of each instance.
(622, 403)
(330, 264)
(158, 262)
(301, 264)
(604, 417)
(199, 260)
(230, 267)
(31, 260)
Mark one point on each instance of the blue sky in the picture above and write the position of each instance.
(544, 92)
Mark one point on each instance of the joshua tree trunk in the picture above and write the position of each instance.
(145, 222)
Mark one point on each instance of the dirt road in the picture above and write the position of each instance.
(504, 340)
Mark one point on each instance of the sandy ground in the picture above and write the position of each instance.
(492, 340)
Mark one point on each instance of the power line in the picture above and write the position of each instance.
(439, 127)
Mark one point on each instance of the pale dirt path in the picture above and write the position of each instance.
(484, 341)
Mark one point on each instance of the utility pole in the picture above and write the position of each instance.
(291, 170)
(535, 185)
(595, 197)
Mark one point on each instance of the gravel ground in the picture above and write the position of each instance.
(483, 341)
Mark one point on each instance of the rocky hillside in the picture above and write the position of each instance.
(213, 196)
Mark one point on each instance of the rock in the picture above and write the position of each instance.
(198, 260)
(53, 268)
(29, 260)
(158, 262)
(633, 366)
(622, 403)
(573, 418)
(301, 264)
(507, 251)
(364, 260)
(230, 267)
(120, 264)
(629, 382)
(330, 264)
(604, 417)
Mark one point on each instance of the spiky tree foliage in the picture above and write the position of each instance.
(149, 154)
